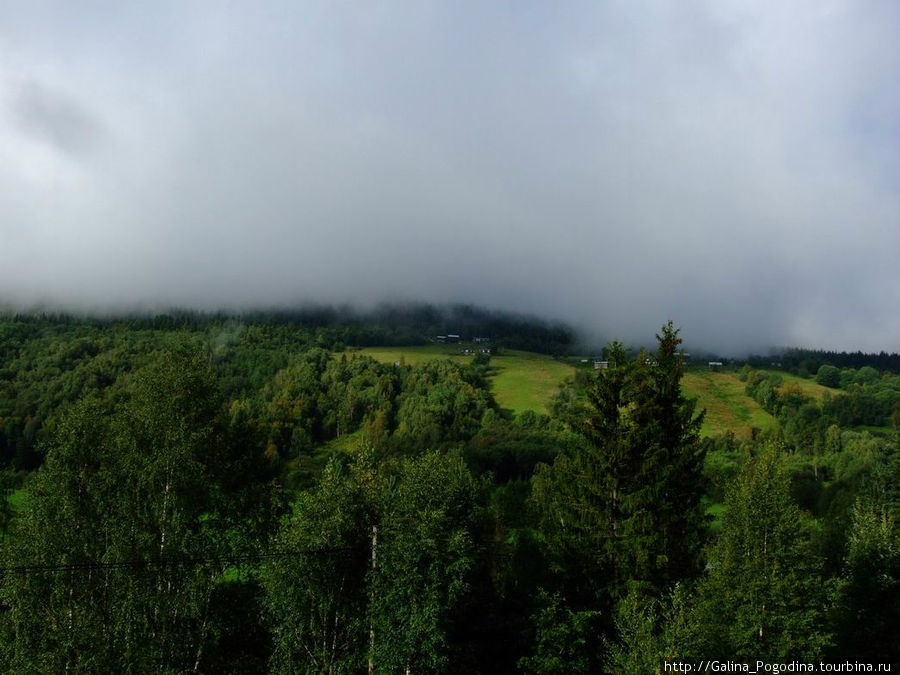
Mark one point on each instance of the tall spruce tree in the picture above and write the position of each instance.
(667, 517)
(623, 512)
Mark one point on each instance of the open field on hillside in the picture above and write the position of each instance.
(520, 380)
(808, 387)
(728, 408)
(414, 355)
(526, 381)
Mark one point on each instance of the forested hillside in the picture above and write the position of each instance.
(251, 495)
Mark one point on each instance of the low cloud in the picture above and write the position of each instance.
(728, 165)
(57, 119)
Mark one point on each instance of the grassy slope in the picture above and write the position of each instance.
(347, 443)
(728, 408)
(520, 380)
(414, 356)
(527, 381)
(808, 387)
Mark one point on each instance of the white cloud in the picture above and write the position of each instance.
(732, 166)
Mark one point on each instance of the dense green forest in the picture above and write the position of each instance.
(808, 361)
(247, 494)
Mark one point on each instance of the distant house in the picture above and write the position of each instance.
(687, 358)
(601, 365)
(715, 365)
(480, 339)
(452, 338)
(441, 338)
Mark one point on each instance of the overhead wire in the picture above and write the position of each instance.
(174, 561)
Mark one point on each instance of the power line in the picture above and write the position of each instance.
(183, 561)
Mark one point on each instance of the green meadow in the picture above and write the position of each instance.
(526, 381)
(415, 355)
(519, 380)
(809, 388)
(728, 408)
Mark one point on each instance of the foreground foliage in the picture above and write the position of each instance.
(228, 497)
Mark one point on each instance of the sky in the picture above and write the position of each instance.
(731, 165)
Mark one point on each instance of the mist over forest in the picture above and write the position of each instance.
(728, 165)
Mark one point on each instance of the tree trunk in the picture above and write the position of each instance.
(372, 597)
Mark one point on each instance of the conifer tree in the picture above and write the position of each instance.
(665, 434)
(623, 512)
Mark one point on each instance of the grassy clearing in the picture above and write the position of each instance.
(348, 443)
(526, 381)
(728, 408)
(302, 471)
(810, 388)
(414, 356)
(16, 500)
(519, 380)
(715, 509)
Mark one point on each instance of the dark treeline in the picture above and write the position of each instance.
(808, 361)
(239, 497)
(385, 325)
